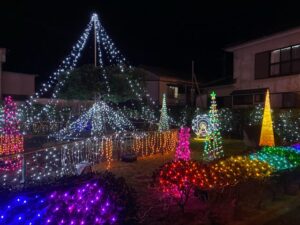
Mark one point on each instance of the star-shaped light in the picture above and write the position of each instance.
(213, 94)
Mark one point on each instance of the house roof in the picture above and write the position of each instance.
(166, 74)
(219, 82)
(249, 91)
(270, 36)
(10, 73)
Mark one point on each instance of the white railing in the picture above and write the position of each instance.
(49, 164)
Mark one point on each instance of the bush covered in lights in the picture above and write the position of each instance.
(179, 179)
(281, 158)
(102, 200)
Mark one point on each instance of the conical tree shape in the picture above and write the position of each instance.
(183, 151)
(267, 133)
(213, 148)
(164, 118)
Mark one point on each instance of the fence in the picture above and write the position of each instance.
(49, 164)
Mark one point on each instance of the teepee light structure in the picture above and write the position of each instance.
(267, 133)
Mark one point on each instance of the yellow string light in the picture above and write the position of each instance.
(267, 133)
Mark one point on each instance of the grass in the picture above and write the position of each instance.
(231, 147)
(144, 167)
(139, 175)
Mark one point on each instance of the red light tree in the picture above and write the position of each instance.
(11, 141)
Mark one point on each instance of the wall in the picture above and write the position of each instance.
(17, 83)
(2, 60)
(244, 58)
(153, 89)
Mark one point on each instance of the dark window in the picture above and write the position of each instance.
(285, 68)
(259, 98)
(275, 69)
(285, 54)
(243, 100)
(288, 99)
(296, 52)
(262, 62)
(296, 66)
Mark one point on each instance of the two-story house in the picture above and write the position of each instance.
(269, 62)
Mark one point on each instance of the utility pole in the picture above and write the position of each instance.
(195, 81)
(95, 44)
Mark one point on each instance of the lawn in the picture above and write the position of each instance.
(231, 147)
(154, 210)
(139, 175)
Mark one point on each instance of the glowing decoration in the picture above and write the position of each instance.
(164, 118)
(256, 115)
(179, 177)
(101, 118)
(11, 141)
(155, 142)
(213, 148)
(267, 133)
(86, 204)
(287, 126)
(296, 147)
(11, 122)
(183, 151)
(57, 80)
(201, 125)
(281, 158)
(54, 162)
(226, 120)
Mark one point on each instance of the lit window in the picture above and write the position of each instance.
(173, 92)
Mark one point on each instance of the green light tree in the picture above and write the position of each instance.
(213, 148)
(164, 118)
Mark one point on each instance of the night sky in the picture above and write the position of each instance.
(167, 34)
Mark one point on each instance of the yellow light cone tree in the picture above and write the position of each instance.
(267, 133)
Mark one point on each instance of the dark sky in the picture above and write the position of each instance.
(162, 33)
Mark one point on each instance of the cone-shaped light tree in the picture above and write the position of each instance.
(213, 148)
(267, 133)
(164, 118)
(11, 122)
(11, 140)
(183, 151)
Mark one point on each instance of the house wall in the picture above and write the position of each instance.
(153, 89)
(244, 65)
(221, 91)
(2, 60)
(17, 84)
(157, 85)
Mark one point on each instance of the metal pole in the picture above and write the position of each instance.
(95, 44)
(23, 170)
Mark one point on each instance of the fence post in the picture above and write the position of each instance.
(23, 170)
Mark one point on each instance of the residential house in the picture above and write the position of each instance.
(179, 91)
(271, 62)
(17, 85)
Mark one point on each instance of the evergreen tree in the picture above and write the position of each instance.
(213, 148)
(164, 118)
